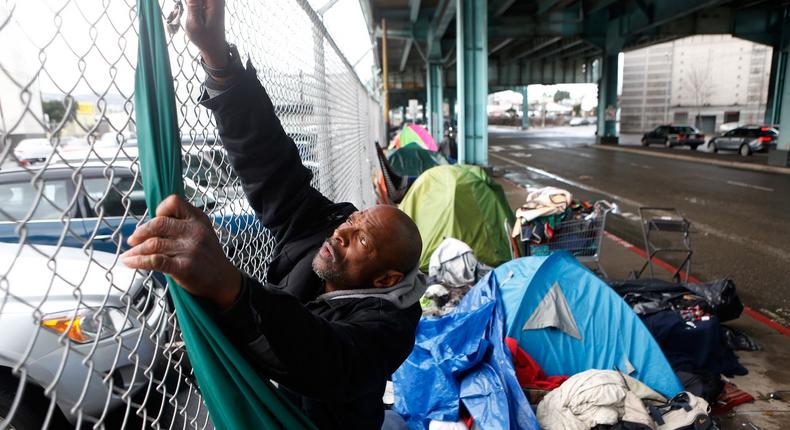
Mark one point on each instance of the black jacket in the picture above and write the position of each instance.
(331, 352)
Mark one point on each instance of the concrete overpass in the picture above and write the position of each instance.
(460, 50)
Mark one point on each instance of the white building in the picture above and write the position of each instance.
(699, 80)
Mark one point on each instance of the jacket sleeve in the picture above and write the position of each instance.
(320, 359)
(266, 160)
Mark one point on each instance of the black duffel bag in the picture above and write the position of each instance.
(721, 296)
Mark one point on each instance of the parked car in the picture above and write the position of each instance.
(746, 140)
(104, 210)
(674, 135)
(74, 332)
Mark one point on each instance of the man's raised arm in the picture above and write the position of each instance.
(276, 183)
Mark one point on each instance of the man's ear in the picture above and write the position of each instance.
(388, 279)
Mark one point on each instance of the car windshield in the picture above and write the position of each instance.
(18, 199)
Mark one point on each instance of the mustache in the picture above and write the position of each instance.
(330, 243)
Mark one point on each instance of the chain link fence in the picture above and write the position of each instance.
(85, 341)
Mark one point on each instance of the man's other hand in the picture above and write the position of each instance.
(180, 241)
(206, 29)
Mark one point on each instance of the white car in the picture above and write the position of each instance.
(76, 320)
(34, 150)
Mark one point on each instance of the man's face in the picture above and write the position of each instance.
(356, 251)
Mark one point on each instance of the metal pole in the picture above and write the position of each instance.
(385, 73)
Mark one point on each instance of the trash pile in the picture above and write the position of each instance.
(540, 341)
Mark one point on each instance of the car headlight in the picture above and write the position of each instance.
(88, 324)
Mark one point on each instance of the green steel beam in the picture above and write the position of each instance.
(499, 7)
(405, 56)
(546, 6)
(524, 109)
(607, 88)
(472, 70)
(435, 100)
(535, 48)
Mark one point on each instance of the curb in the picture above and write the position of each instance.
(664, 265)
(732, 164)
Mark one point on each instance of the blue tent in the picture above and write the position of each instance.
(569, 321)
(461, 357)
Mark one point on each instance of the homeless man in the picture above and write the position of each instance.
(340, 308)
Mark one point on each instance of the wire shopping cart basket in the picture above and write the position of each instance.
(580, 237)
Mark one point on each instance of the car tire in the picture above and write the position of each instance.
(32, 410)
(713, 148)
(745, 150)
(694, 147)
(668, 143)
(644, 142)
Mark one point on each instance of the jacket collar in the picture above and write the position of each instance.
(404, 294)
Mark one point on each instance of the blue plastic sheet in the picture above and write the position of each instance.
(461, 357)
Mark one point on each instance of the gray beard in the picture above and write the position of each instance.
(330, 274)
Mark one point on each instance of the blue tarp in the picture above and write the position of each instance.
(461, 357)
(545, 290)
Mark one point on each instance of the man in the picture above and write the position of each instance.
(338, 315)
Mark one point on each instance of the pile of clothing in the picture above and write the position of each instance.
(452, 271)
(686, 321)
(547, 215)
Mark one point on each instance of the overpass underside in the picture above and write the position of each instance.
(457, 51)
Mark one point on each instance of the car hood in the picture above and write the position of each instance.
(49, 277)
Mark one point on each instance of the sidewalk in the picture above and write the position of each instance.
(768, 373)
(631, 143)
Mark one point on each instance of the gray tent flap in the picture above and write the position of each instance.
(553, 311)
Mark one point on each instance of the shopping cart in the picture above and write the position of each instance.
(580, 237)
(666, 234)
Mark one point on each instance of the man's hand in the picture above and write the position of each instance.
(179, 241)
(206, 29)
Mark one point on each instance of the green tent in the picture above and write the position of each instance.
(462, 202)
(235, 395)
(412, 160)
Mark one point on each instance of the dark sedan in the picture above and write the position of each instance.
(746, 140)
(674, 135)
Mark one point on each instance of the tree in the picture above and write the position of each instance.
(55, 110)
(700, 87)
(561, 95)
(577, 109)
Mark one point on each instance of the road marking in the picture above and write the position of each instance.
(643, 166)
(516, 147)
(704, 228)
(496, 148)
(755, 187)
(631, 216)
(521, 154)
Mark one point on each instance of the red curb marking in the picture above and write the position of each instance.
(666, 266)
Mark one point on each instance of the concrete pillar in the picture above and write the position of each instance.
(435, 101)
(607, 99)
(525, 109)
(472, 68)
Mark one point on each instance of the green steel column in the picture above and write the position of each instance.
(525, 109)
(472, 51)
(779, 157)
(775, 83)
(435, 100)
(607, 99)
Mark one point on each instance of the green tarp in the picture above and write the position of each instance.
(462, 202)
(412, 160)
(236, 397)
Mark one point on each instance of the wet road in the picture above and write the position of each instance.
(740, 219)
